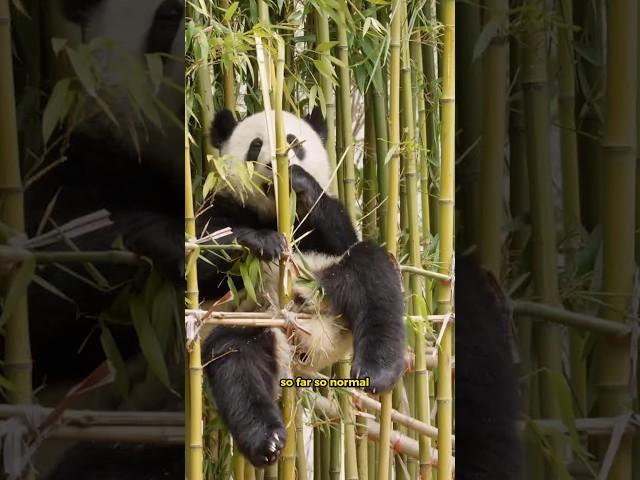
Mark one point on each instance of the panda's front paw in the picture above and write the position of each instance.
(306, 187)
(381, 377)
(265, 244)
(266, 447)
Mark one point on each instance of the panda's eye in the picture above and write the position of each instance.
(296, 146)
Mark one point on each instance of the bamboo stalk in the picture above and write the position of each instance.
(446, 232)
(237, 465)
(494, 96)
(348, 422)
(470, 118)
(301, 457)
(17, 365)
(346, 120)
(391, 234)
(382, 146)
(194, 411)
(284, 227)
(323, 37)
(544, 261)
(573, 319)
(369, 174)
(618, 149)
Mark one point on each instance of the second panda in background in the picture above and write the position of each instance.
(357, 302)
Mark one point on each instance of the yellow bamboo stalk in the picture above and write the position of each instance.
(194, 412)
(322, 33)
(17, 365)
(284, 227)
(445, 230)
(393, 199)
(494, 96)
(618, 146)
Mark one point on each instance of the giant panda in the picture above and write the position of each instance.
(356, 305)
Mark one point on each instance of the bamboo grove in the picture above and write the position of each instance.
(547, 123)
(383, 75)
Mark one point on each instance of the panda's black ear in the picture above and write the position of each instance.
(222, 127)
(78, 11)
(316, 120)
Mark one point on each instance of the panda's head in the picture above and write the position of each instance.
(127, 33)
(248, 141)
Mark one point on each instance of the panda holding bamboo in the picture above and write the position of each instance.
(351, 288)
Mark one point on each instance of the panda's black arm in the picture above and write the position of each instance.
(331, 229)
(365, 288)
(240, 365)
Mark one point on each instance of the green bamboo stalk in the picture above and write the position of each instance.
(494, 96)
(362, 447)
(346, 119)
(238, 465)
(348, 422)
(423, 135)
(446, 232)
(335, 454)
(228, 79)
(340, 149)
(469, 74)
(301, 457)
(570, 185)
(536, 107)
(249, 472)
(433, 110)
(370, 181)
(194, 411)
(416, 287)
(382, 144)
(284, 227)
(618, 148)
(323, 37)
(271, 472)
(393, 172)
(17, 361)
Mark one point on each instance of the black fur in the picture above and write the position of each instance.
(487, 444)
(242, 373)
(363, 287)
(78, 10)
(222, 127)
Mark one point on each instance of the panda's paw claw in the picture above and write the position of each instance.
(381, 379)
(272, 246)
(268, 451)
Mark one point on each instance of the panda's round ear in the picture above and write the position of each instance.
(222, 127)
(316, 120)
(78, 11)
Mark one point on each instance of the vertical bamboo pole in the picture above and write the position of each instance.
(346, 121)
(446, 232)
(322, 33)
(238, 465)
(17, 364)
(392, 207)
(536, 105)
(494, 96)
(284, 227)
(369, 173)
(433, 113)
(618, 149)
(411, 181)
(194, 412)
(228, 81)
(348, 422)
(570, 184)
(301, 457)
(469, 74)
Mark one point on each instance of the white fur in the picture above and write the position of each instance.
(328, 339)
(315, 162)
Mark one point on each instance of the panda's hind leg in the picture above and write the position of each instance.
(365, 288)
(242, 368)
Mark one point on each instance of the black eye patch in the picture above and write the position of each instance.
(296, 146)
(254, 150)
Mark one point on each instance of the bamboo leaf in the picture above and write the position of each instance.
(82, 68)
(149, 344)
(112, 352)
(56, 109)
